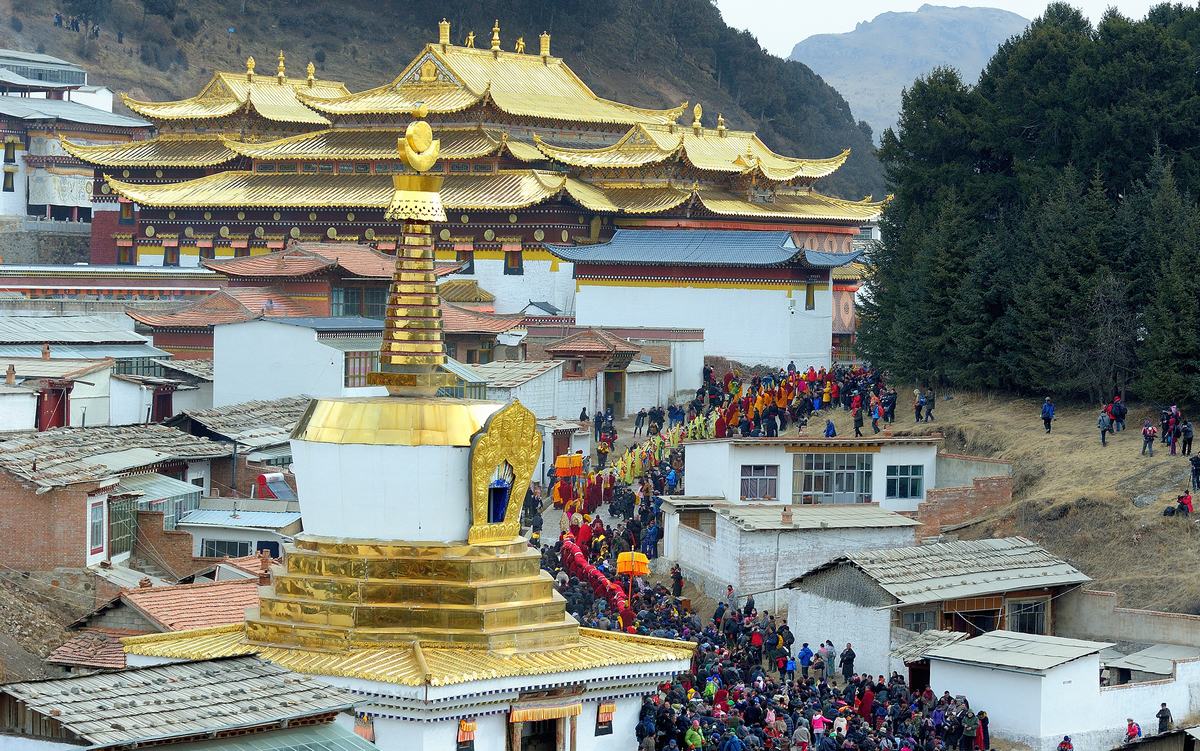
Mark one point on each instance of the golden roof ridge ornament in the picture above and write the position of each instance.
(519, 48)
(444, 33)
(281, 70)
(697, 113)
(544, 50)
(311, 70)
(250, 68)
(413, 352)
(470, 42)
(720, 125)
(496, 39)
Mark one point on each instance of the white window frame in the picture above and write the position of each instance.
(1010, 605)
(206, 553)
(96, 524)
(765, 485)
(904, 475)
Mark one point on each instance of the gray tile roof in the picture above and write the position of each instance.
(331, 323)
(329, 737)
(65, 330)
(693, 247)
(949, 570)
(506, 374)
(56, 109)
(257, 423)
(178, 700)
(1031, 653)
(752, 517)
(915, 648)
(249, 519)
(70, 455)
(202, 369)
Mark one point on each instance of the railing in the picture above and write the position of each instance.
(41, 224)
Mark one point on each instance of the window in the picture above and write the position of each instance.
(810, 296)
(920, 620)
(125, 255)
(171, 256)
(905, 481)
(121, 526)
(358, 365)
(346, 301)
(96, 528)
(224, 548)
(832, 478)
(467, 258)
(513, 263)
(10, 185)
(10, 153)
(126, 213)
(1027, 617)
(345, 169)
(760, 482)
(360, 169)
(375, 302)
(704, 522)
(486, 354)
(207, 252)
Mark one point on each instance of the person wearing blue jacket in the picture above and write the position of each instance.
(804, 656)
(1047, 413)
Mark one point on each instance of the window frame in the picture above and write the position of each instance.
(10, 182)
(125, 213)
(96, 525)
(514, 267)
(832, 478)
(357, 364)
(10, 152)
(208, 548)
(901, 477)
(1041, 614)
(765, 486)
(918, 621)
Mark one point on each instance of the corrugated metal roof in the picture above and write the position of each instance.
(509, 374)
(1158, 658)
(465, 373)
(328, 737)
(949, 570)
(914, 649)
(1032, 653)
(26, 108)
(255, 519)
(821, 516)
(36, 367)
(333, 323)
(686, 247)
(646, 366)
(156, 487)
(65, 330)
(180, 699)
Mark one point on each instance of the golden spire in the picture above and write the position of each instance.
(697, 113)
(545, 46)
(280, 70)
(470, 43)
(444, 33)
(721, 124)
(413, 352)
(520, 46)
(250, 68)
(496, 36)
(311, 70)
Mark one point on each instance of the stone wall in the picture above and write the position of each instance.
(18, 245)
(1091, 614)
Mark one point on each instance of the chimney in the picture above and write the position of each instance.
(10, 375)
(786, 518)
(545, 50)
(46, 351)
(264, 560)
(144, 583)
(444, 34)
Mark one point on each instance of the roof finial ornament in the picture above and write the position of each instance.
(250, 68)
(496, 38)
(520, 47)
(697, 113)
(444, 33)
(280, 70)
(470, 43)
(311, 70)
(721, 125)
(545, 45)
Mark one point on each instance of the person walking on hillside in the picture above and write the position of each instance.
(1195, 462)
(930, 402)
(1047, 413)
(918, 403)
(1119, 410)
(1104, 422)
(1186, 434)
(1149, 433)
(1164, 718)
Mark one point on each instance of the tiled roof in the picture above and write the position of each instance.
(64, 330)
(698, 247)
(459, 320)
(198, 368)
(70, 455)
(36, 367)
(592, 341)
(254, 422)
(915, 648)
(251, 519)
(1033, 653)
(952, 570)
(27, 108)
(464, 290)
(506, 374)
(430, 664)
(178, 700)
(91, 649)
(305, 259)
(228, 305)
(251, 564)
(181, 607)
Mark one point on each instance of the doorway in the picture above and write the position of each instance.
(614, 392)
(539, 735)
(918, 675)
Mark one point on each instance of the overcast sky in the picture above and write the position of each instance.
(779, 24)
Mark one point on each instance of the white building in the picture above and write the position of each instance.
(883, 598)
(541, 386)
(1037, 688)
(561, 437)
(728, 282)
(537, 276)
(237, 528)
(896, 473)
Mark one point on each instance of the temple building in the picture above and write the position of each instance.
(411, 586)
(530, 157)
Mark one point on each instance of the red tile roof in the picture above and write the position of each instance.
(186, 606)
(592, 341)
(459, 320)
(251, 564)
(228, 305)
(92, 648)
(305, 259)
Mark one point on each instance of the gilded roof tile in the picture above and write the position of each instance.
(625, 198)
(443, 665)
(375, 143)
(807, 205)
(162, 151)
(226, 93)
(518, 84)
(464, 291)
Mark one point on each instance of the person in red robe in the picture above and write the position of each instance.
(866, 707)
(583, 538)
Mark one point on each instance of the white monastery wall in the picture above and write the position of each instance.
(868, 629)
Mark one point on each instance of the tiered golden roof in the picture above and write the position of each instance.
(273, 98)
(418, 664)
(372, 144)
(164, 151)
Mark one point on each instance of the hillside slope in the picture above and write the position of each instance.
(871, 65)
(654, 53)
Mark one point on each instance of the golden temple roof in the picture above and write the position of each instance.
(162, 151)
(227, 93)
(463, 142)
(420, 664)
(503, 190)
(497, 191)
(708, 149)
(450, 78)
